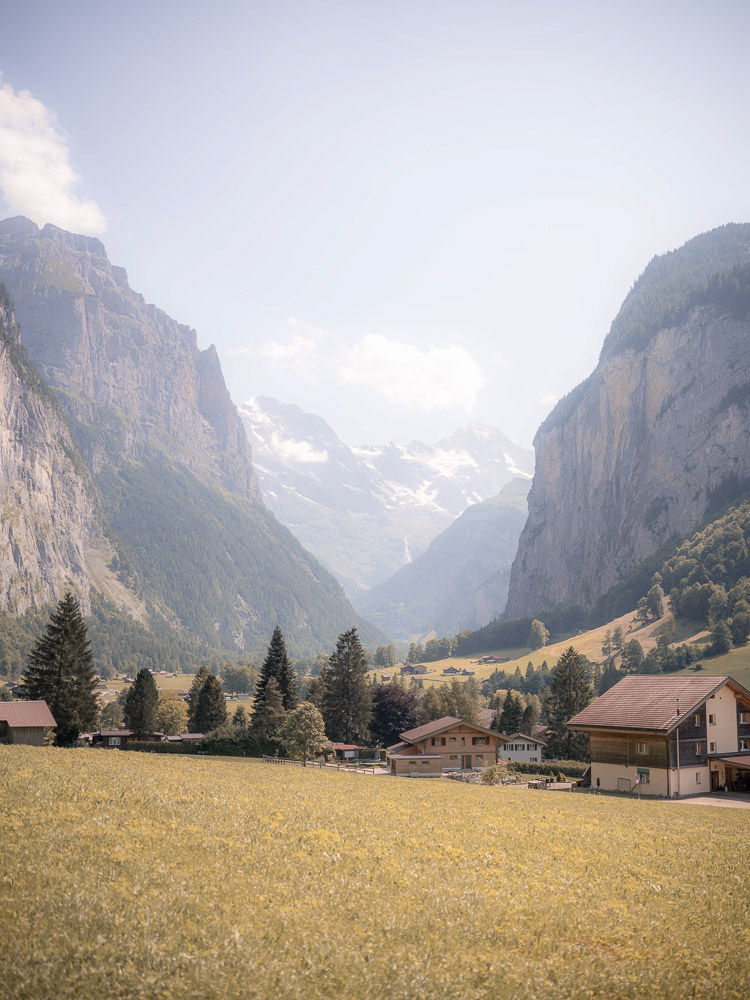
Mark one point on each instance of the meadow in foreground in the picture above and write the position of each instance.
(128, 875)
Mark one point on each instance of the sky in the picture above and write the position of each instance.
(402, 215)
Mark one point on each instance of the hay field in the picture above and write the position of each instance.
(138, 876)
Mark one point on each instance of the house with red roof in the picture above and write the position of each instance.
(447, 744)
(25, 722)
(669, 736)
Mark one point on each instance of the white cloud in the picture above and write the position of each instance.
(297, 350)
(296, 451)
(36, 177)
(438, 378)
(548, 399)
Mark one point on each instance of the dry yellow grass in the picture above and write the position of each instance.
(137, 876)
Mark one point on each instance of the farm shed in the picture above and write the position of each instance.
(25, 722)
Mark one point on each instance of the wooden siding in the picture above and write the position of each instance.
(31, 736)
(688, 740)
(619, 748)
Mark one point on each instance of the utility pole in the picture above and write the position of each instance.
(677, 740)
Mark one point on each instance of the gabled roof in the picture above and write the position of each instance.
(397, 746)
(649, 702)
(523, 736)
(440, 726)
(26, 714)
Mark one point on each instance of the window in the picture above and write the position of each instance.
(454, 756)
(641, 748)
(463, 741)
(744, 744)
(644, 775)
(697, 718)
(744, 717)
(697, 777)
(114, 741)
(712, 748)
(533, 760)
(698, 748)
(438, 741)
(451, 739)
(480, 741)
(712, 720)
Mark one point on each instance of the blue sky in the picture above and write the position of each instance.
(399, 215)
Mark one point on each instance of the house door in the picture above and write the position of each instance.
(466, 761)
(714, 780)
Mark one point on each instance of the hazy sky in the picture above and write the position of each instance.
(399, 215)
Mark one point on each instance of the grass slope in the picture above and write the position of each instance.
(204, 878)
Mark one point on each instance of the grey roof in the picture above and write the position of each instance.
(26, 714)
(649, 702)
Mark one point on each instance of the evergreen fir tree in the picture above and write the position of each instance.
(512, 713)
(269, 713)
(347, 698)
(528, 720)
(239, 719)
(60, 672)
(195, 689)
(142, 702)
(569, 693)
(211, 709)
(277, 665)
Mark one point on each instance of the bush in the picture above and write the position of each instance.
(573, 768)
(494, 775)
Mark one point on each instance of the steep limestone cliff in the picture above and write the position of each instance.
(630, 459)
(51, 534)
(127, 373)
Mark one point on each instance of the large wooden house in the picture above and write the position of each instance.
(449, 743)
(669, 736)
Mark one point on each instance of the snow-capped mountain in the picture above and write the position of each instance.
(369, 510)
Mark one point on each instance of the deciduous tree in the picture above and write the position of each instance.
(538, 634)
(303, 733)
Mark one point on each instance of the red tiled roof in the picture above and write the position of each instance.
(645, 701)
(26, 714)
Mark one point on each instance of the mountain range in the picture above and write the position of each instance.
(368, 511)
(127, 472)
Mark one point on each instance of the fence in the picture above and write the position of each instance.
(288, 760)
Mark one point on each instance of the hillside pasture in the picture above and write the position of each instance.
(132, 875)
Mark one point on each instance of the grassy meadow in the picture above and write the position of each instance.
(128, 875)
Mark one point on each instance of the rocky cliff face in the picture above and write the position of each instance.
(630, 460)
(127, 373)
(51, 534)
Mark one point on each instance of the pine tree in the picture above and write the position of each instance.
(211, 709)
(141, 702)
(269, 714)
(60, 672)
(276, 665)
(569, 693)
(529, 719)
(512, 713)
(239, 719)
(347, 698)
(195, 689)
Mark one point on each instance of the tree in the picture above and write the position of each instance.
(655, 602)
(195, 689)
(395, 710)
(141, 702)
(112, 715)
(211, 708)
(569, 693)
(509, 720)
(347, 698)
(237, 678)
(303, 734)
(618, 639)
(722, 639)
(430, 707)
(269, 714)
(529, 719)
(316, 687)
(171, 714)
(538, 635)
(632, 656)
(239, 719)
(277, 666)
(60, 672)
(459, 700)
(607, 646)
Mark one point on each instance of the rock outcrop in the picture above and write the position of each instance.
(632, 457)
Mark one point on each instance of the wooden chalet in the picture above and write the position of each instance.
(669, 736)
(451, 745)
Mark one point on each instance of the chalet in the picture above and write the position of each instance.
(453, 744)
(520, 747)
(121, 737)
(669, 736)
(451, 671)
(25, 722)
(413, 668)
(351, 751)
(468, 672)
